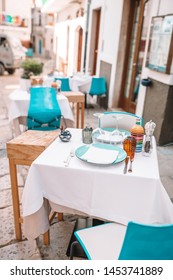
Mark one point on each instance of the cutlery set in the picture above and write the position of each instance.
(129, 145)
(68, 159)
(126, 165)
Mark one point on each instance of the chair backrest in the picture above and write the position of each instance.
(125, 120)
(98, 86)
(147, 242)
(65, 85)
(44, 112)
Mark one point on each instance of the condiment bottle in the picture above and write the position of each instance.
(129, 145)
(137, 131)
(54, 85)
(87, 135)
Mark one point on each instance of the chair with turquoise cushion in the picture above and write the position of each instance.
(125, 120)
(44, 112)
(98, 86)
(65, 85)
(114, 241)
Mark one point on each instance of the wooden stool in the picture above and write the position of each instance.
(79, 99)
(23, 150)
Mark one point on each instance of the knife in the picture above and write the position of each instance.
(126, 164)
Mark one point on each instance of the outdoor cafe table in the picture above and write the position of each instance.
(80, 83)
(19, 104)
(102, 192)
(77, 82)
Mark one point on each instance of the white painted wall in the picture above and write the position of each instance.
(111, 17)
(23, 9)
(18, 7)
(159, 8)
(61, 37)
(69, 12)
(67, 18)
(49, 32)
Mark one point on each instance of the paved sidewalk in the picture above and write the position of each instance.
(60, 232)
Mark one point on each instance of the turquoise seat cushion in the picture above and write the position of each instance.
(65, 86)
(143, 242)
(44, 112)
(98, 86)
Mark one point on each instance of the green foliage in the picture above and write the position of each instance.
(31, 67)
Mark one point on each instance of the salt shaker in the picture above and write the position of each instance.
(87, 135)
(148, 144)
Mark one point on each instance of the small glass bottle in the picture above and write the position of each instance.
(129, 145)
(87, 135)
(137, 131)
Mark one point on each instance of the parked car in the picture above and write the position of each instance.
(12, 53)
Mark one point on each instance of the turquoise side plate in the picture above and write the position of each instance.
(80, 151)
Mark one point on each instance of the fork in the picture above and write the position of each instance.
(68, 159)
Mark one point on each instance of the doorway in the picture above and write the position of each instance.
(96, 17)
(40, 46)
(79, 47)
(138, 20)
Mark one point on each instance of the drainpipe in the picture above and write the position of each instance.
(86, 34)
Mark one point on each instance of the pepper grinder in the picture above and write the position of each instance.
(148, 144)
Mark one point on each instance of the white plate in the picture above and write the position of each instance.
(82, 150)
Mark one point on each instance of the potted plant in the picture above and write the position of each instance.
(31, 67)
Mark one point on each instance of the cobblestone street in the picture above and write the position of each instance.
(60, 232)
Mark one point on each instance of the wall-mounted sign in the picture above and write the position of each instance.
(160, 52)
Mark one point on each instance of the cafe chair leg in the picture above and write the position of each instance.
(46, 238)
(72, 248)
(75, 246)
(60, 217)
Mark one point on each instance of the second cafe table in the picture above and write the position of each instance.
(102, 192)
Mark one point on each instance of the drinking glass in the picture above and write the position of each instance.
(98, 131)
(116, 135)
(58, 82)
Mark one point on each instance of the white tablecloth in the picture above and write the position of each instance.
(102, 192)
(77, 83)
(19, 104)
(82, 83)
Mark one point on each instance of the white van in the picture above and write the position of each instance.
(12, 53)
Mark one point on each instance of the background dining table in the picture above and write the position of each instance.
(78, 82)
(92, 190)
(19, 104)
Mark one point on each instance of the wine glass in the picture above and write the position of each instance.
(116, 135)
(58, 83)
(98, 131)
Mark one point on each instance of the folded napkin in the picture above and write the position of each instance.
(108, 137)
(100, 156)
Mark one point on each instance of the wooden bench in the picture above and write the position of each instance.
(79, 99)
(23, 150)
